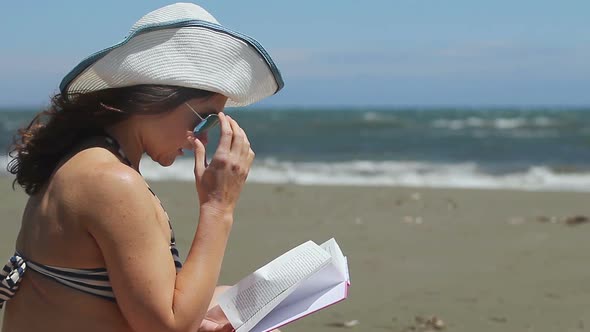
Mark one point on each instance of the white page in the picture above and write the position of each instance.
(338, 258)
(246, 303)
(306, 299)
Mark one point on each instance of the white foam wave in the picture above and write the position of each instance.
(382, 173)
(497, 123)
(371, 117)
(389, 173)
(378, 117)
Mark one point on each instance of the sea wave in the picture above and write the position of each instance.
(416, 174)
(495, 123)
(383, 173)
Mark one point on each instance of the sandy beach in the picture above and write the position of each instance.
(478, 260)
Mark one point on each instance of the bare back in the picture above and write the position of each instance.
(54, 232)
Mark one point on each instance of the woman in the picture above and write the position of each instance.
(96, 251)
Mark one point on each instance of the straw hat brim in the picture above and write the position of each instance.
(190, 53)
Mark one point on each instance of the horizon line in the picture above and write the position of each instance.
(16, 108)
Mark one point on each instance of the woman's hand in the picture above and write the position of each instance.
(219, 184)
(215, 321)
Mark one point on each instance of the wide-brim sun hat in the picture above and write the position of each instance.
(181, 45)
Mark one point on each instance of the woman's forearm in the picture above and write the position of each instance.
(197, 280)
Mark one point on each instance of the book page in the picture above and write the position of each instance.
(321, 290)
(246, 303)
(337, 257)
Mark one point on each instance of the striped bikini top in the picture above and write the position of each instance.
(91, 281)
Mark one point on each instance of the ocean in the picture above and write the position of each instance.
(509, 148)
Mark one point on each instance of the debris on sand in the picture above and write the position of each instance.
(427, 324)
(570, 221)
(576, 220)
(346, 324)
(451, 204)
(436, 323)
(351, 323)
(552, 220)
(413, 220)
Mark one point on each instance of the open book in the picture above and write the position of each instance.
(303, 280)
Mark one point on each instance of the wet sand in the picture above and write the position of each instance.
(479, 260)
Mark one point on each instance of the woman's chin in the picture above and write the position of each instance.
(165, 162)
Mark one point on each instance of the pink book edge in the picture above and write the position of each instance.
(311, 312)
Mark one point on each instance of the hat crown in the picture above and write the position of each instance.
(174, 12)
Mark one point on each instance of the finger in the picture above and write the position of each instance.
(246, 145)
(212, 326)
(246, 137)
(226, 134)
(251, 156)
(238, 139)
(250, 159)
(209, 326)
(200, 156)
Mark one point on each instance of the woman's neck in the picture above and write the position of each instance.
(128, 140)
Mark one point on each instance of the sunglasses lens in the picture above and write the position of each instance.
(208, 123)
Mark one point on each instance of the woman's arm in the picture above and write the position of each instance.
(151, 296)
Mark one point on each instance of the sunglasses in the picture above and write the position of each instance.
(205, 124)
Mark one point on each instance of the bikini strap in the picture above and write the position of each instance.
(117, 147)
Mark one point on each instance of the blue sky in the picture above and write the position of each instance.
(339, 53)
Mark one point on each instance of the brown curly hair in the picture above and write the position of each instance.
(39, 147)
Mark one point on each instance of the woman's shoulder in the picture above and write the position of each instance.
(95, 166)
(93, 177)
